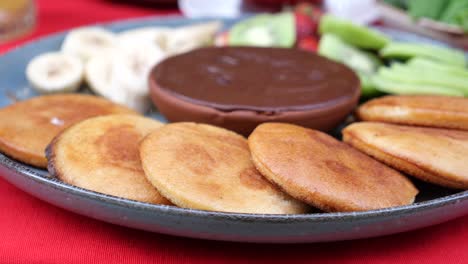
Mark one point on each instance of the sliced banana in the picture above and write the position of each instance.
(132, 64)
(187, 38)
(98, 72)
(55, 72)
(119, 65)
(88, 42)
(122, 76)
(154, 35)
(125, 96)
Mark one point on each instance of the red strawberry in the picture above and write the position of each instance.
(307, 19)
(308, 44)
(304, 26)
(308, 9)
(304, 8)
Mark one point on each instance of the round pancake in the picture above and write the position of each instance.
(209, 168)
(421, 110)
(434, 155)
(27, 127)
(101, 154)
(324, 172)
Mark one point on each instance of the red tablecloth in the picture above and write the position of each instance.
(32, 231)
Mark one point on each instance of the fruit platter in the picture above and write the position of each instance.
(289, 127)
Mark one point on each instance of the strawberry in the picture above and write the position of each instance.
(308, 44)
(308, 9)
(304, 26)
(304, 8)
(307, 18)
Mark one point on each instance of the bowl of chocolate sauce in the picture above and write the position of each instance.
(239, 88)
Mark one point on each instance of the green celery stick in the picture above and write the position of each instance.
(359, 36)
(332, 47)
(423, 76)
(368, 88)
(396, 87)
(422, 63)
(363, 63)
(402, 50)
(432, 73)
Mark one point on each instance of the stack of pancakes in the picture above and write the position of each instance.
(280, 169)
(423, 136)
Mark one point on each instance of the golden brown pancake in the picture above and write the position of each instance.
(421, 110)
(209, 168)
(324, 172)
(27, 127)
(434, 155)
(101, 154)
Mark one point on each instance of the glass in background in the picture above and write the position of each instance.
(17, 18)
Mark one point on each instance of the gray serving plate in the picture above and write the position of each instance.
(434, 204)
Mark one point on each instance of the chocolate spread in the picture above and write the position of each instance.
(268, 80)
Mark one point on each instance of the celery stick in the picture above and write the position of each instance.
(409, 50)
(422, 76)
(356, 35)
(395, 87)
(368, 88)
(363, 63)
(422, 63)
(334, 48)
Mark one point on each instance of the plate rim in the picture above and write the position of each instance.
(26, 171)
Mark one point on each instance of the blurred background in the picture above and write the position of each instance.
(445, 20)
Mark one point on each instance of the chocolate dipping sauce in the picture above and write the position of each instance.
(241, 87)
(257, 79)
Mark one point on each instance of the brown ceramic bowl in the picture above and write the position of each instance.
(239, 88)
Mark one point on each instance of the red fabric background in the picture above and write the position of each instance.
(32, 231)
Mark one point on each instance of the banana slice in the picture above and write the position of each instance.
(186, 38)
(55, 72)
(122, 76)
(100, 78)
(88, 42)
(98, 73)
(154, 35)
(133, 63)
(103, 86)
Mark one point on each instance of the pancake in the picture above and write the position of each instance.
(101, 154)
(432, 111)
(324, 172)
(27, 127)
(434, 155)
(209, 168)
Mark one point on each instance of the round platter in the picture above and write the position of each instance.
(434, 204)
